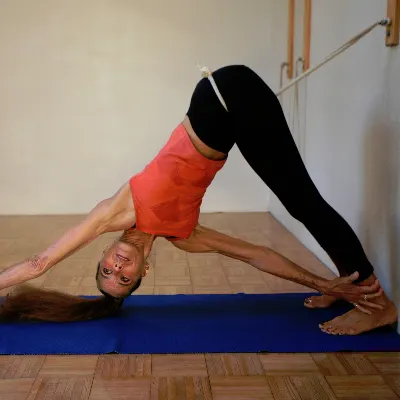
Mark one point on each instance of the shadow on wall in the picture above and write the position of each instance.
(381, 222)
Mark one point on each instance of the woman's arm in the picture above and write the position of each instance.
(112, 214)
(205, 240)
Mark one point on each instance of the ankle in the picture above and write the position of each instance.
(369, 281)
(383, 299)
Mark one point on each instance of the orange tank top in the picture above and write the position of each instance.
(169, 191)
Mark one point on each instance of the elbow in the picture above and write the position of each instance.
(102, 216)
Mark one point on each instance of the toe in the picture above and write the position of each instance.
(314, 300)
(342, 331)
(327, 331)
(322, 301)
(336, 330)
(331, 329)
(325, 327)
(308, 302)
(346, 330)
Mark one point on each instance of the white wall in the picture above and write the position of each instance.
(351, 139)
(91, 90)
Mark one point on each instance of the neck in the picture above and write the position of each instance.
(137, 238)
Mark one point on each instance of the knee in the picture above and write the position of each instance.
(298, 210)
(306, 209)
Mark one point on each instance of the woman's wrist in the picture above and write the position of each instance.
(324, 286)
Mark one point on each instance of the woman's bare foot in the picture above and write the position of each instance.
(323, 301)
(356, 322)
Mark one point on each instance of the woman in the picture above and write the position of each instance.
(164, 201)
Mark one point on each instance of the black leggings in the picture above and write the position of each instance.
(255, 122)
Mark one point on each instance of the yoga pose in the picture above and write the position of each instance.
(163, 201)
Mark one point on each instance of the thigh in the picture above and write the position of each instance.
(265, 141)
(209, 119)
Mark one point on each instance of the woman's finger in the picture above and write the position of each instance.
(373, 295)
(351, 278)
(362, 309)
(371, 305)
(370, 289)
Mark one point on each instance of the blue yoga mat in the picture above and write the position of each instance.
(197, 324)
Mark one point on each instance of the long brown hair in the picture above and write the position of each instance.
(33, 304)
(27, 303)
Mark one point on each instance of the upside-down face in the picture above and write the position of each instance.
(121, 267)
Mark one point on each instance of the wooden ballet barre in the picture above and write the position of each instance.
(307, 34)
(341, 49)
(206, 72)
(290, 44)
(393, 29)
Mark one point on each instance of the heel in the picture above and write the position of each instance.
(394, 325)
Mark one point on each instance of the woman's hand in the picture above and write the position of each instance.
(21, 272)
(359, 296)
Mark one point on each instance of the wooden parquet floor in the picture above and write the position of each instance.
(185, 377)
